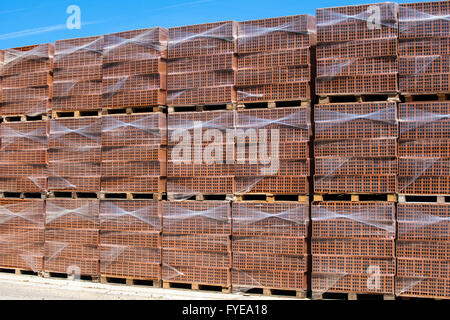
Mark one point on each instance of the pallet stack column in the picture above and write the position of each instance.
(424, 154)
(202, 64)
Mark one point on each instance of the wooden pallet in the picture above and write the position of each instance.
(268, 197)
(405, 198)
(355, 197)
(60, 275)
(73, 195)
(196, 286)
(413, 97)
(306, 102)
(200, 197)
(76, 114)
(201, 107)
(133, 110)
(351, 296)
(24, 118)
(113, 279)
(22, 195)
(273, 292)
(18, 271)
(132, 195)
(359, 98)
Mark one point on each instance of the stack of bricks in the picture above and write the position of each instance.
(424, 155)
(23, 156)
(276, 157)
(130, 239)
(197, 243)
(134, 68)
(276, 58)
(202, 64)
(422, 250)
(77, 75)
(424, 48)
(22, 234)
(191, 170)
(75, 154)
(356, 147)
(270, 249)
(134, 153)
(353, 248)
(27, 80)
(357, 49)
(72, 237)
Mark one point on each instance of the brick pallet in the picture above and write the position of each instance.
(26, 80)
(23, 156)
(130, 240)
(352, 248)
(202, 64)
(196, 243)
(75, 154)
(72, 237)
(355, 55)
(134, 153)
(134, 68)
(424, 50)
(270, 248)
(78, 74)
(22, 234)
(276, 59)
(422, 250)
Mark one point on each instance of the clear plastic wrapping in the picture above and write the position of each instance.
(23, 156)
(72, 236)
(353, 247)
(27, 80)
(274, 58)
(197, 242)
(75, 154)
(422, 250)
(355, 147)
(424, 31)
(239, 152)
(22, 234)
(269, 245)
(357, 49)
(130, 240)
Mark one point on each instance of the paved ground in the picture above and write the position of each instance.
(19, 287)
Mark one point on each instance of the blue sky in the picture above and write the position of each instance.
(31, 22)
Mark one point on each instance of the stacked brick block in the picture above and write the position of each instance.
(275, 59)
(424, 154)
(134, 68)
(23, 156)
(202, 64)
(75, 154)
(423, 250)
(72, 236)
(130, 239)
(353, 248)
(133, 153)
(78, 74)
(27, 80)
(22, 234)
(276, 157)
(424, 48)
(190, 169)
(356, 147)
(357, 49)
(196, 242)
(270, 245)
